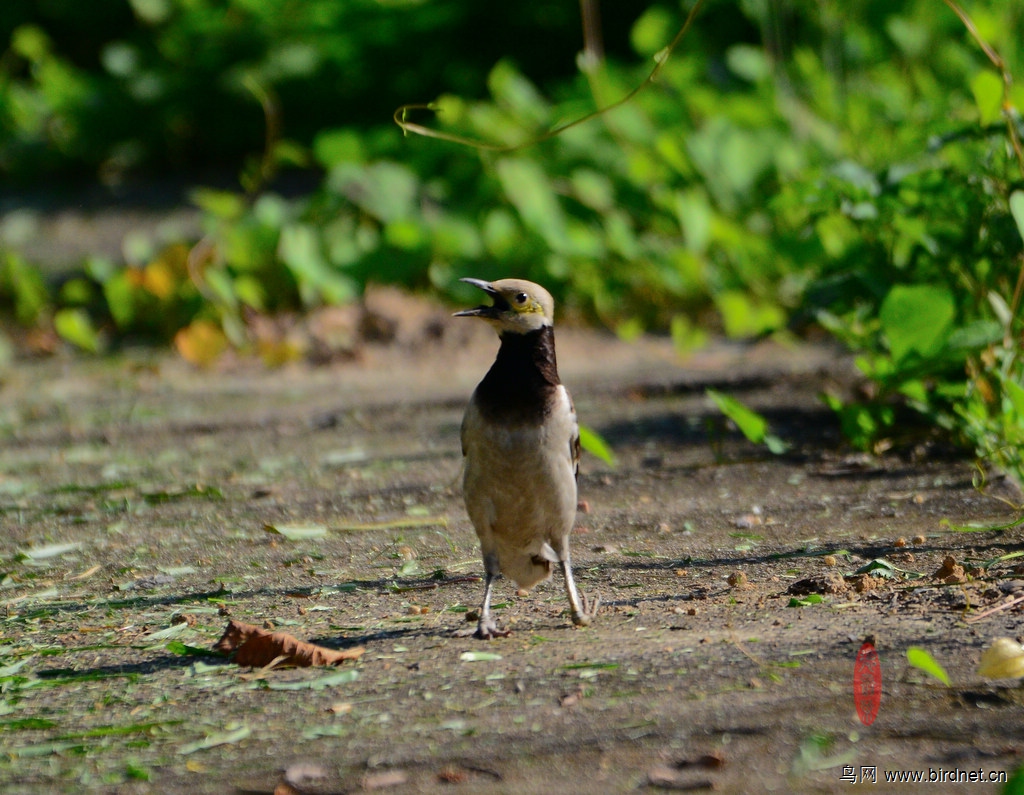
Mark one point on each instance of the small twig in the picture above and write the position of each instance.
(993, 610)
(401, 114)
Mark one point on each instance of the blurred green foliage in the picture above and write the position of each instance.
(795, 164)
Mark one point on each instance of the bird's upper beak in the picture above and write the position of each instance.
(483, 311)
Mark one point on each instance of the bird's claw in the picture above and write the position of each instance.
(586, 613)
(487, 629)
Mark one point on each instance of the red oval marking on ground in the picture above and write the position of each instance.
(867, 683)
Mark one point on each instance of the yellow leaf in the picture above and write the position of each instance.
(276, 353)
(158, 279)
(1004, 659)
(201, 343)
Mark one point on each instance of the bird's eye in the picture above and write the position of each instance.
(521, 298)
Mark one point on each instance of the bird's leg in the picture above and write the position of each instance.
(487, 628)
(583, 611)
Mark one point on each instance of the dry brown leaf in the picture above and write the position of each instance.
(256, 648)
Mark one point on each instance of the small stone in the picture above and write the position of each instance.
(862, 583)
(831, 582)
(950, 572)
(900, 542)
(737, 580)
(918, 540)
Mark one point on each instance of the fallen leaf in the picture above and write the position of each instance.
(255, 647)
(201, 343)
(213, 740)
(384, 779)
(1004, 659)
(479, 656)
(297, 532)
(301, 774)
(334, 679)
(49, 551)
(920, 658)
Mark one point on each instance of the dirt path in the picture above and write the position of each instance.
(135, 493)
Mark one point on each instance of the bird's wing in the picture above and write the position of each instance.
(574, 439)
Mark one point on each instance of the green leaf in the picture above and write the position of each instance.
(751, 424)
(26, 723)
(221, 204)
(331, 147)
(1017, 209)
(387, 191)
(74, 326)
(686, 336)
(49, 551)
(514, 92)
(213, 740)
(917, 319)
(479, 656)
(1013, 398)
(300, 249)
(166, 633)
(987, 88)
(184, 650)
(806, 601)
(594, 444)
(652, 31)
(1015, 784)
(120, 297)
(26, 283)
(919, 658)
(530, 192)
(297, 532)
(342, 677)
(743, 316)
(748, 62)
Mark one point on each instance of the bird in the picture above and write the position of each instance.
(521, 451)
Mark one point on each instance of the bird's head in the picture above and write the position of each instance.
(518, 306)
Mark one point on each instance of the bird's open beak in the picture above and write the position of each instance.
(483, 311)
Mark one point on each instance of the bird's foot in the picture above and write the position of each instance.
(585, 614)
(487, 629)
